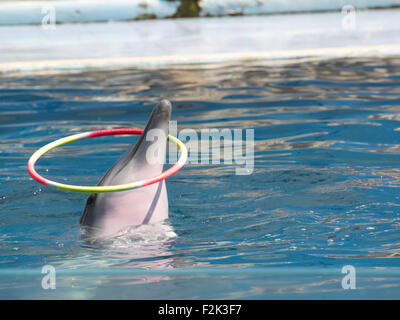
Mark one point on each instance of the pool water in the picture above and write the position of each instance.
(324, 192)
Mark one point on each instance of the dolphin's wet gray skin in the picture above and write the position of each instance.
(107, 213)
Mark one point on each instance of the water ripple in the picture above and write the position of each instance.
(323, 193)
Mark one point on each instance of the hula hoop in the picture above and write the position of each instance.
(100, 189)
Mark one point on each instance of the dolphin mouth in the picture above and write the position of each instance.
(159, 120)
(161, 112)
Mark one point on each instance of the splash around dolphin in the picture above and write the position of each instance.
(106, 214)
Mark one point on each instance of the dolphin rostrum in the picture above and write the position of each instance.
(107, 213)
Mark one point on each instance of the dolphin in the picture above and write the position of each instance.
(106, 214)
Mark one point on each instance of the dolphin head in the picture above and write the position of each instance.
(107, 213)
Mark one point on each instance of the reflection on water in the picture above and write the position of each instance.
(323, 193)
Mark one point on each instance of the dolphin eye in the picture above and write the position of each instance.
(90, 200)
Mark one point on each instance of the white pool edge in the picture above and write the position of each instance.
(281, 57)
(199, 41)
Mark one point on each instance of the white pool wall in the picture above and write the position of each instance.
(33, 12)
(251, 7)
(72, 11)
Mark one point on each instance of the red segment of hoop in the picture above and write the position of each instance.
(112, 132)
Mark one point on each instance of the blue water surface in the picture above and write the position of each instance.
(324, 192)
